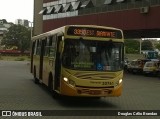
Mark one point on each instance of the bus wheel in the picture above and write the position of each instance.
(36, 81)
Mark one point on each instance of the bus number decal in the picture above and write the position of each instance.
(102, 83)
(107, 83)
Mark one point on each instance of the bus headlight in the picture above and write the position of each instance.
(65, 79)
(120, 81)
(70, 82)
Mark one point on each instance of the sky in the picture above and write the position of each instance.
(16, 9)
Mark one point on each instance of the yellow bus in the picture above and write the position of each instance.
(79, 60)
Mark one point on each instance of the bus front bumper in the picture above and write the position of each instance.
(69, 90)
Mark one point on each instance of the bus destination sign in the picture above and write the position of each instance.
(94, 32)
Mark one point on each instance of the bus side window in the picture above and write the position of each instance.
(52, 42)
(34, 47)
(38, 51)
(45, 43)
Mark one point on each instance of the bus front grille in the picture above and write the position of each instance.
(94, 91)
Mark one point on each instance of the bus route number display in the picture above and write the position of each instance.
(94, 32)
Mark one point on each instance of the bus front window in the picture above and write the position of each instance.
(92, 55)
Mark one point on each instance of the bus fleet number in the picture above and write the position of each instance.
(107, 83)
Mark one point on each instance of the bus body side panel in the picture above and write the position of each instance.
(57, 76)
(49, 60)
(36, 64)
(48, 69)
(45, 71)
(31, 55)
(41, 59)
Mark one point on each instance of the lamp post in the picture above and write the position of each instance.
(31, 28)
(140, 47)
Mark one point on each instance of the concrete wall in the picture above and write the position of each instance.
(37, 19)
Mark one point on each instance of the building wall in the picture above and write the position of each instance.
(45, 1)
(126, 20)
(22, 22)
(126, 15)
(37, 19)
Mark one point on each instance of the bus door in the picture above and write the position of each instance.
(43, 43)
(31, 55)
(58, 62)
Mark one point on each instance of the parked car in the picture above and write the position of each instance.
(126, 65)
(136, 66)
(151, 67)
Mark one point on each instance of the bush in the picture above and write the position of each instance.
(1, 58)
(20, 59)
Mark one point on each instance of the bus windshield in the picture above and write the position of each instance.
(92, 55)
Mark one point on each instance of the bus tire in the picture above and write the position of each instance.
(36, 81)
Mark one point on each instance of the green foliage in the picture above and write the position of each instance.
(19, 36)
(131, 46)
(1, 58)
(147, 45)
(15, 58)
(20, 59)
(158, 46)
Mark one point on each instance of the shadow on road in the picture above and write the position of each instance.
(80, 102)
(83, 102)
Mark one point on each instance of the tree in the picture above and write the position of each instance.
(18, 36)
(131, 46)
(158, 45)
(147, 45)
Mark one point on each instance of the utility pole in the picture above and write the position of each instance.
(31, 28)
(140, 45)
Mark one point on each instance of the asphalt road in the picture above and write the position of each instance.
(19, 92)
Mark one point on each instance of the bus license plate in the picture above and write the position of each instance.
(94, 92)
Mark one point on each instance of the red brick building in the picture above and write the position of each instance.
(138, 18)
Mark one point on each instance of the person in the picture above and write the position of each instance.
(106, 59)
(83, 54)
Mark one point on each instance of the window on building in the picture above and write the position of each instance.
(43, 11)
(118, 1)
(50, 10)
(67, 7)
(58, 9)
(107, 2)
(87, 3)
(77, 5)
